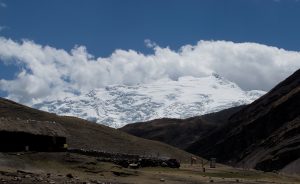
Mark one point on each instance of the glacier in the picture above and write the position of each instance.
(118, 105)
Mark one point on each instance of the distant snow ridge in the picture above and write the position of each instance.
(118, 105)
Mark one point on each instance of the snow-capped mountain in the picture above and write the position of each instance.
(119, 105)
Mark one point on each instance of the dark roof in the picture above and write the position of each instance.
(32, 126)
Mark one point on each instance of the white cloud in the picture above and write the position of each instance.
(50, 73)
(149, 43)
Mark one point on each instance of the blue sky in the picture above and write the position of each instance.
(104, 26)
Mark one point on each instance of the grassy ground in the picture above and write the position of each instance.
(73, 168)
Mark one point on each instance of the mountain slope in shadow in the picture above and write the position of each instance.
(264, 135)
(180, 132)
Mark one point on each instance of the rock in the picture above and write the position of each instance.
(27, 176)
(91, 163)
(173, 163)
(23, 172)
(39, 179)
(70, 175)
(98, 182)
(52, 182)
(93, 181)
(17, 178)
(211, 181)
(134, 166)
(162, 180)
(164, 164)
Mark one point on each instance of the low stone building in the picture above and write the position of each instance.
(30, 135)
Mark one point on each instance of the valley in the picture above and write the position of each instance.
(149, 92)
(21, 168)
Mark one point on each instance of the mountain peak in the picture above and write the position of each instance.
(118, 105)
(216, 75)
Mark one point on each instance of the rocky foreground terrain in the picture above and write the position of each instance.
(56, 168)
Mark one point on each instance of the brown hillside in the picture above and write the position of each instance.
(180, 132)
(88, 135)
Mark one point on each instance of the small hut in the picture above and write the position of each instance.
(30, 135)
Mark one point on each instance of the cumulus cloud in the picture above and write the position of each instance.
(49, 73)
(150, 44)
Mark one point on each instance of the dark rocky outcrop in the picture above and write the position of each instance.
(126, 160)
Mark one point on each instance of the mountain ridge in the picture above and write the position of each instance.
(180, 133)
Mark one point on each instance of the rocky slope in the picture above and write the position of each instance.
(118, 105)
(264, 135)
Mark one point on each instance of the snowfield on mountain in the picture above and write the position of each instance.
(118, 105)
